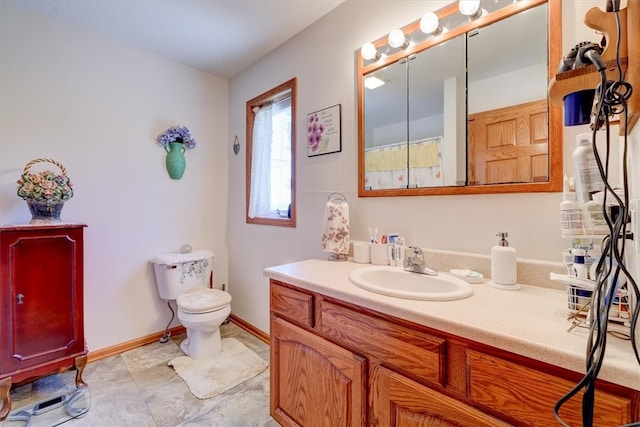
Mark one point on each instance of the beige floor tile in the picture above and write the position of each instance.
(139, 390)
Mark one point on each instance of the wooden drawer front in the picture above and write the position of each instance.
(528, 395)
(409, 351)
(291, 304)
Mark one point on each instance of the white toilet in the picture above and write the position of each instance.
(184, 277)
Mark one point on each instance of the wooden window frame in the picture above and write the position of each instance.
(250, 115)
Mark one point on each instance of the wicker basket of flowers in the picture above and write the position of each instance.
(45, 192)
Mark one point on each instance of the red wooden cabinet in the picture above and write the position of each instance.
(41, 304)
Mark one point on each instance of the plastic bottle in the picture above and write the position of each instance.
(579, 266)
(504, 267)
(594, 221)
(391, 250)
(585, 169)
(570, 212)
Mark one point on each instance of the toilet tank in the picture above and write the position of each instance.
(177, 272)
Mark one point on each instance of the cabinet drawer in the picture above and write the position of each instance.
(291, 304)
(529, 395)
(404, 349)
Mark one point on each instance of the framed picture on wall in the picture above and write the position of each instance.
(324, 135)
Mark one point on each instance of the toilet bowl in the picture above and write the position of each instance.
(201, 311)
(184, 277)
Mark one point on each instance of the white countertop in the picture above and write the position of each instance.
(531, 321)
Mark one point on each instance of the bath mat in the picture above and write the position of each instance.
(207, 378)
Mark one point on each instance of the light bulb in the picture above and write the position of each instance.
(429, 24)
(396, 39)
(469, 7)
(368, 51)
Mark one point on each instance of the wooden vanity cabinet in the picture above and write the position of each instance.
(313, 381)
(41, 304)
(332, 362)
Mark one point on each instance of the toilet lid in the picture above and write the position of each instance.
(201, 300)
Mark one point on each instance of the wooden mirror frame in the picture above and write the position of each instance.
(554, 20)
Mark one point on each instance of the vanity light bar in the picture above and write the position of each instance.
(429, 24)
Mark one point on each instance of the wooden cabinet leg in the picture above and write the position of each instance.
(5, 393)
(81, 362)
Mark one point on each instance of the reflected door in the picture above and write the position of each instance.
(509, 145)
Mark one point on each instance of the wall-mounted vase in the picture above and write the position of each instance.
(175, 160)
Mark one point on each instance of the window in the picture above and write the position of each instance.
(271, 156)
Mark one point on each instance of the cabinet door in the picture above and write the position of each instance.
(314, 382)
(397, 401)
(42, 294)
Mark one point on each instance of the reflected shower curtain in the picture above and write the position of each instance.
(386, 166)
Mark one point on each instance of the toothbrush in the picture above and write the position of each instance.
(371, 235)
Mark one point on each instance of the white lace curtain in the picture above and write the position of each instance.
(260, 197)
(271, 144)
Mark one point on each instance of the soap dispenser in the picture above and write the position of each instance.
(504, 265)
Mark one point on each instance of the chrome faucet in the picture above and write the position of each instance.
(414, 262)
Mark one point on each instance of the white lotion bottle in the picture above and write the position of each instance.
(585, 170)
(570, 212)
(504, 265)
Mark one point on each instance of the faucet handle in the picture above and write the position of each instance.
(413, 256)
(416, 250)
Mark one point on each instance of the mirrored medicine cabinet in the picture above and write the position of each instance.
(464, 110)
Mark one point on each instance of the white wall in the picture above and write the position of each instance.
(97, 106)
(323, 59)
(482, 94)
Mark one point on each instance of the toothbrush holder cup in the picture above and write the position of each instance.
(362, 252)
(379, 255)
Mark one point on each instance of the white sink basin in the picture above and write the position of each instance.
(396, 282)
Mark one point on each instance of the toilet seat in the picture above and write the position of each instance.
(202, 300)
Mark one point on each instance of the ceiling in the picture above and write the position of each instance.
(222, 37)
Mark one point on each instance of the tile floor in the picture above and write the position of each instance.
(152, 395)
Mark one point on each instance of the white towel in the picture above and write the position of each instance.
(335, 234)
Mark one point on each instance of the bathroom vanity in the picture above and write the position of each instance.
(343, 356)
(41, 304)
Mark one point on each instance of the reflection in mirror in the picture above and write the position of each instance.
(508, 134)
(385, 127)
(437, 116)
(421, 103)
(409, 107)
